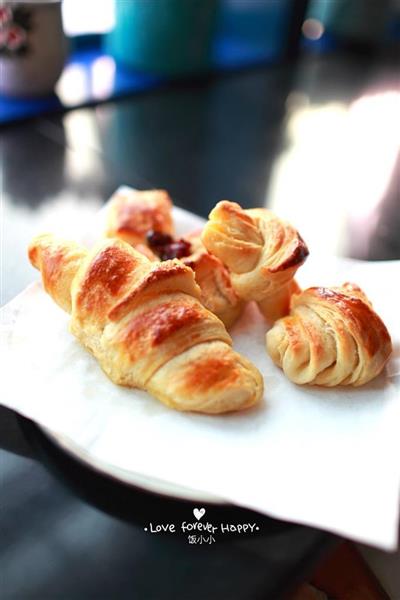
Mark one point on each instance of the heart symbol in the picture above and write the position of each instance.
(199, 512)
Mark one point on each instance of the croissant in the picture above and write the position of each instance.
(132, 214)
(331, 337)
(145, 324)
(261, 251)
(217, 293)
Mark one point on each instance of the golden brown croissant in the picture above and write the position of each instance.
(144, 323)
(331, 337)
(217, 293)
(261, 251)
(133, 213)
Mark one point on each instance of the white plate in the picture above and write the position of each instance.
(150, 484)
(291, 457)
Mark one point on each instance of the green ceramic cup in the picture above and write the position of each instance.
(170, 37)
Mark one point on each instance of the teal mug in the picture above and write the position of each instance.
(169, 37)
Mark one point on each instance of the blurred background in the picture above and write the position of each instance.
(293, 104)
(289, 104)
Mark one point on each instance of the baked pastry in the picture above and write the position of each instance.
(331, 337)
(147, 215)
(133, 213)
(261, 251)
(146, 326)
(147, 252)
(217, 293)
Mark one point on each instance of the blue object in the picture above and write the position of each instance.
(251, 32)
(14, 109)
(81, 68)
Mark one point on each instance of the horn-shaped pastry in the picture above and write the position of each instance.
(146, 326)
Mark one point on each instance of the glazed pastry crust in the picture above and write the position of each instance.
(213, 278)
(133, 213)
(331, 337)
(261, 251)
(58, 264)
(146, 326)
(219, 379)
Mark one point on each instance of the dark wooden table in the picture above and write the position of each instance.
(241, 137)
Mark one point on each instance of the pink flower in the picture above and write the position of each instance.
(16, 37)
(5, 15)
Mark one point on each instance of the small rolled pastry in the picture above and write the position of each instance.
(261, 251)
(146, 326)
(217, 293)
(331, 337)
(133, 213)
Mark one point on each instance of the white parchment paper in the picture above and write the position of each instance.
(328, 458)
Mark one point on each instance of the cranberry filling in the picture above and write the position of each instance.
(166, 247)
